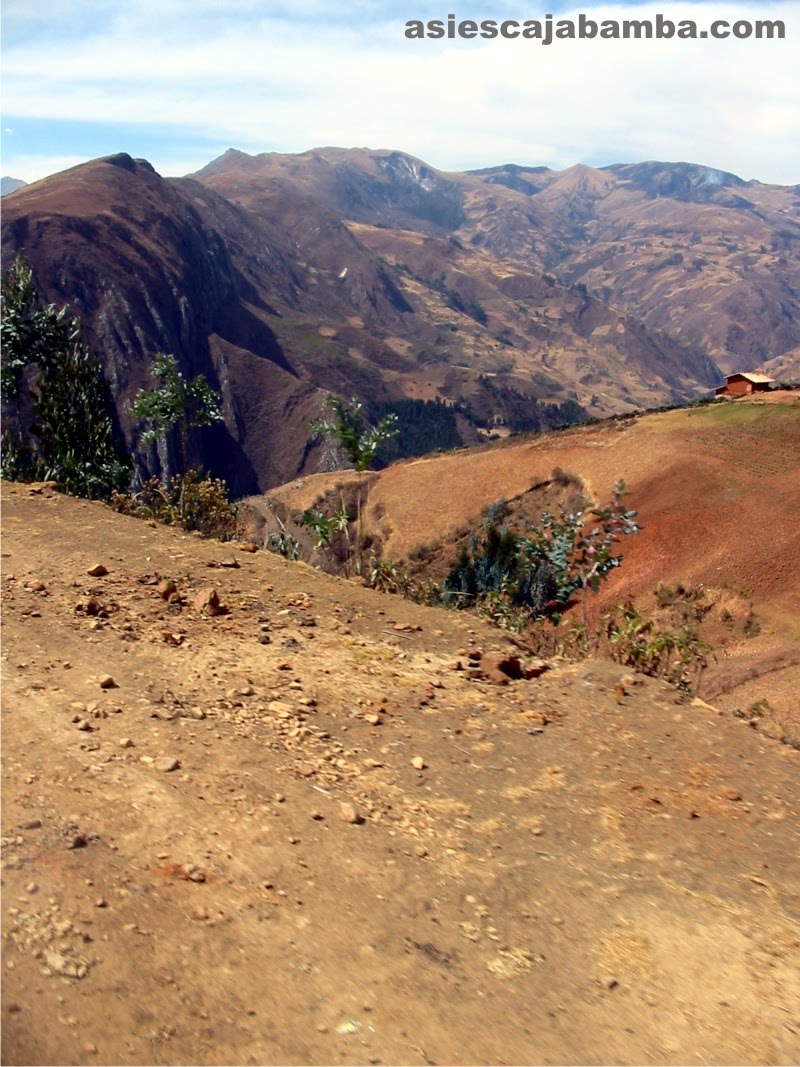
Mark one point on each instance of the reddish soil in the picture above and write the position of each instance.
(718, 497)
(362, 854)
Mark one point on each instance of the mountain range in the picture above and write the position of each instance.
(513, 295)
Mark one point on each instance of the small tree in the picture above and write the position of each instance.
(66, 433)
(176, 403)
(359, 442)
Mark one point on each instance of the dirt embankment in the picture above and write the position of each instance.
(293, 831)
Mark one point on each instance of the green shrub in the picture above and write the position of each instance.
(543, 568)
(57, 403)
(637, 641)
(193, 501)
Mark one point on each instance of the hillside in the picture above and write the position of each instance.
(696, 255)
(285, 278)
(717, 494)
(297, 832)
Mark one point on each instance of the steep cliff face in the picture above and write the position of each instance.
(152, 265)
(147, 271)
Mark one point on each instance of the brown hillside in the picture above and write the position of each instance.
(263, 288)
(362, 854)
(717, 493)
(698, 255)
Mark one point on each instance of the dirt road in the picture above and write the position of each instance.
(303, 830)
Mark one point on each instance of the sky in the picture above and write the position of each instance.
(181, 81)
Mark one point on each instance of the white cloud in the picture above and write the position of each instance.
(268, 83)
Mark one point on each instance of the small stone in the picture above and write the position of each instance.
(421, 851)
(31, 824)
(77, 841)
(107, 682)
(99, 570)
(101, 902)
(198, 713)
(248, 546)
(85, 725)
(166, 588)
(89, 1048)
(349, 813)
(729, 793)
(125, 742)
(418, 763)
(373, 719)
(207, 601)
(166, 764)
(31, 888)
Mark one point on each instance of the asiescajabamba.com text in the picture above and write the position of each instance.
(548, 29)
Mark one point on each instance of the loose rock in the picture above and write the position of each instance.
(349, 813)
(166, 764)
(207, 601)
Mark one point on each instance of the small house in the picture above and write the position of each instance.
(743, 383)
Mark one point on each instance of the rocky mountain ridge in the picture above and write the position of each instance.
(284, 278)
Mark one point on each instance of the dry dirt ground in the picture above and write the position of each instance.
(362, 854)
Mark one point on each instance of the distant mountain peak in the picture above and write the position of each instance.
(8, 185)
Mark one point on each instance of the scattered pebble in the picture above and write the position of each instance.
(350, 813)
(418, 763)
(99, 570)
(166, 764)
